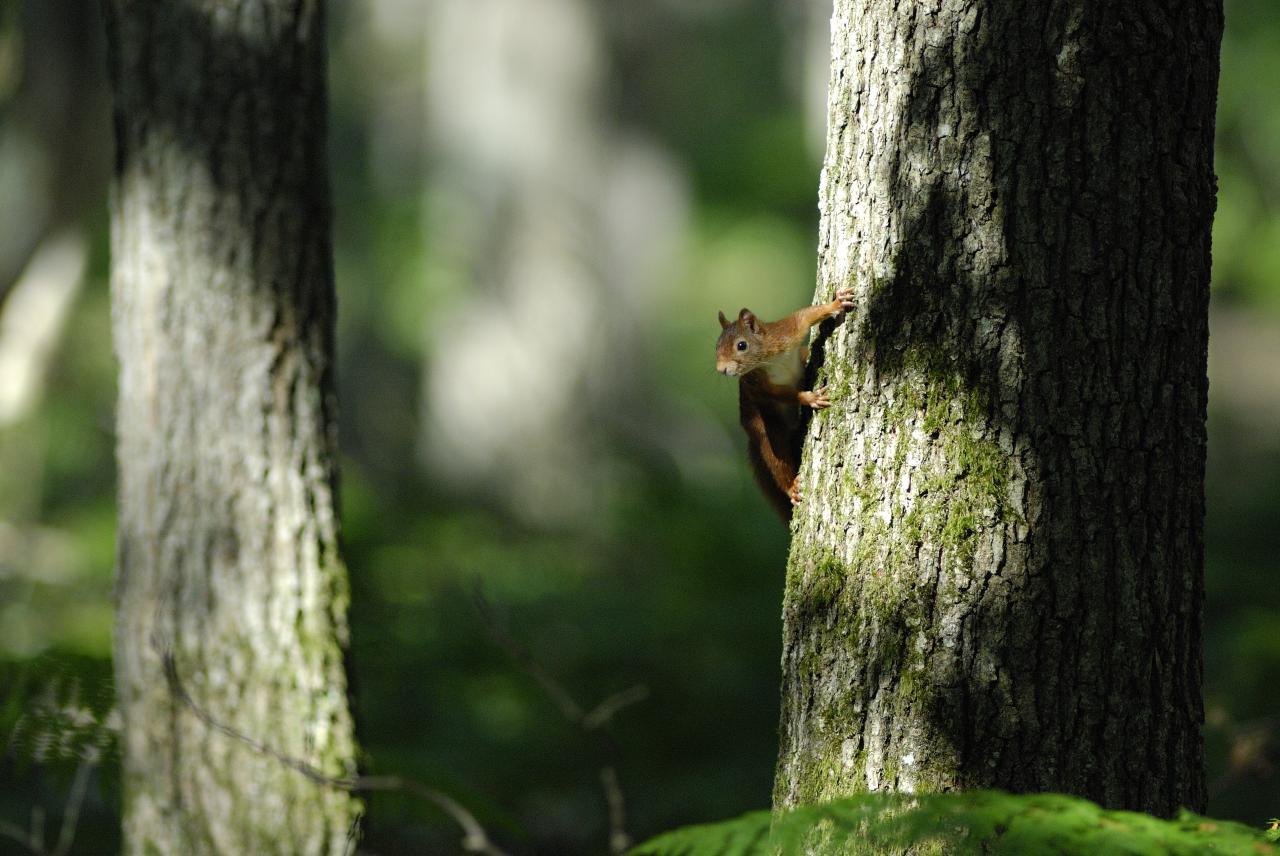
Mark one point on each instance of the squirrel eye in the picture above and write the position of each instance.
(742, 346)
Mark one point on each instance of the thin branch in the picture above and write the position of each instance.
(33, 841)
(559, 695)
(592, 722)
(619, 840)
(603, 713)
(18, 834)
(37, 828)
(474, 839)
(71, 814)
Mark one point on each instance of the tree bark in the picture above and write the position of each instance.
(996, 577)
(223, 304)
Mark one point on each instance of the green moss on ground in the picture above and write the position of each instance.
(980, 822)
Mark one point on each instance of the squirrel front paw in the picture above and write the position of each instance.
(793, 492)
(817, 399)
(844, 296)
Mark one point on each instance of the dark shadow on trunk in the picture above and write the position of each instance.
(1045, 334)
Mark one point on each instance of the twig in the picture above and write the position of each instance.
(474, 839)
(33, 841)
(37, 828)
(571, 709)
(71, 815)
(603, 713)
(20, 835)
(619, 841)
(592, 722)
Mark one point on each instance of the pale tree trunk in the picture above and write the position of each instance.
(808, 65)
(538, 204)
(223, 303)
(996, 576)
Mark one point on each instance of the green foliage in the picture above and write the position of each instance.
(1246, 234)
(57, 709)
(59, 731)
(986, 822)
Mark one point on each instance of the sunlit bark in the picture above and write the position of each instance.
(996, 576)
(223, 303)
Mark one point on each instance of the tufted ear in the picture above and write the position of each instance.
(724, 322)
(748, 320)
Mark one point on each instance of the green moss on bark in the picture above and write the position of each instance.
(942, 490)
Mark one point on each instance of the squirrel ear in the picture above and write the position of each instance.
(747, 319)
(724, 322)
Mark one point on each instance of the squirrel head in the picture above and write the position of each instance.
(740, 347)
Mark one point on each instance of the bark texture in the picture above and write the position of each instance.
(996, 577)
(223, 303)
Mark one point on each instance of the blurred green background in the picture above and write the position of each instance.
(539, 209)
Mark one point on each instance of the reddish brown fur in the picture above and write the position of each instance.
(769, 411)
(771, 444)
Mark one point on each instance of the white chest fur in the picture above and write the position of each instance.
(786, 369)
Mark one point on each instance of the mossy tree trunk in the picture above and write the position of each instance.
(223, 303)
(996, 576)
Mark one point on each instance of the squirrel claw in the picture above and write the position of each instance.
(794, 493)
(844, 297)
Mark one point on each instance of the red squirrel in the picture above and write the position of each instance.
(768, 358)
